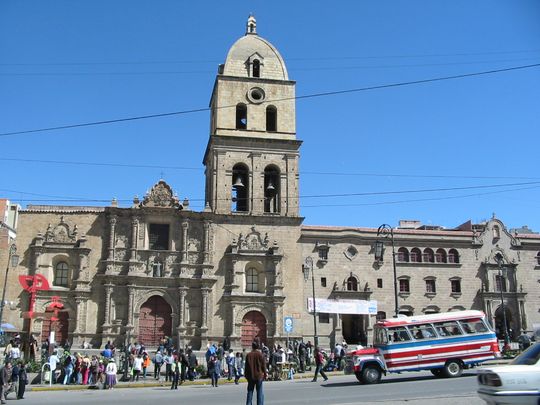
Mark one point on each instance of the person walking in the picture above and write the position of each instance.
(23, 380)
(214, 370)
(255, 373)
(175, 373)
(137, 367)
(319, 363)
(158, 362)
(110, 372)
(5, 378)
(238, 367)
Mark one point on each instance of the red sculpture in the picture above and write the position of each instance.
(33, 284)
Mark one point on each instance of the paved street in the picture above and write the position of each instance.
(411, 388)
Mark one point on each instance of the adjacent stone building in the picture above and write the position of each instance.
(238, 267)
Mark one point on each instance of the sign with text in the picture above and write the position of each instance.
(358, 307)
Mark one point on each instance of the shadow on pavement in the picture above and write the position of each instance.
(330, 384)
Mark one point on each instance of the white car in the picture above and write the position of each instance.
(515, 383)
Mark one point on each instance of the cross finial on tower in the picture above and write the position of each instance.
(251, 27)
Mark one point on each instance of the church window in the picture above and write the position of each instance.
(352, 284)
(455, 285)
(428, 256)
(416, 256)
(404, 286)
(323, 281)
(61, 273)
(440, 256)
(158, 236)
(252, 280)
(496, 232)
(403, 255)
(157, 269)
(256, 68)
(241, 116)
(431, 286)
(379, 283)
(500, 283)
(240, 186)
(271, 190)
(271, 118)
(453, 256)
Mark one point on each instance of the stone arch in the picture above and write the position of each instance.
(351, 283)
(145, 296)
(155, 320)
(254, 326)
(500, 330)
(254, 307)
(63, 327)
(406, 310)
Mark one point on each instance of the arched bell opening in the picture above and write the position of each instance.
(240, 188)
(271, 190)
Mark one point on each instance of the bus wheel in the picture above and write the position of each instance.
(371, 375)
(452, 368)
(437, 372)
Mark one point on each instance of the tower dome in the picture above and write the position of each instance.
(253, 56)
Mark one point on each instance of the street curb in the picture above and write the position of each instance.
(121, 385)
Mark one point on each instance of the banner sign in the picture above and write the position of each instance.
(358, 307)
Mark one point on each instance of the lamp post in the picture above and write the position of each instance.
(308, 267)
(499, 259)
(385, 231)
(13, 261)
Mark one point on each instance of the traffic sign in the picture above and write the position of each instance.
(288, 324)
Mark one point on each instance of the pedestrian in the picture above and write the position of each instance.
(175, 373)
(319, 363)
(5, 378)
(255, 373)
(168, 360)
(214, 370)
(23, 380)
(137, 367)
(111, 371)
(230, 364)
(184, 365)
(146, 364)
(192, 364)
(68, 369)
(238, 367)
(158, 362)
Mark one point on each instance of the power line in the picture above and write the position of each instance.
(323, 94)
(363, 194)
(302, 173)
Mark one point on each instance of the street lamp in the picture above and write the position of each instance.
(307, 268)
(500, 261)
(385, 231)
(13, 261)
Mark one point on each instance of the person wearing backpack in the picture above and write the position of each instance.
(158, 362)
(319, 363)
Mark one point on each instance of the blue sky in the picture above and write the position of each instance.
(69, 62)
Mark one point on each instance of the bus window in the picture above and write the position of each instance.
(381, 337)
(449, 328)
(423, 332)
(473, 326)
(398, 334)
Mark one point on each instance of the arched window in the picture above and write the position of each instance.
(496, 232)
(271, 118)
(256, 68)
(402, 255)
(416, 255)
(428, 256)
(271, 189)
(352, 284)
(252, 280)
(241, 116)
(500, 283)
(61, 274)
(440, 256)
(453, 256)
(240, 188)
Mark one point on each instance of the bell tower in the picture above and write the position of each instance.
(252, 154)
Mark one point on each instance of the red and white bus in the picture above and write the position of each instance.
(444, 343)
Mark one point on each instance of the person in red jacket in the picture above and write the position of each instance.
(255, 373)
(319, 364)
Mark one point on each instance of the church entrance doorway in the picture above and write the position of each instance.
(59, 326)
(253, 327)
(354, 329)
(154, 321)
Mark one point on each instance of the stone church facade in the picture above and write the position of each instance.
(238, 267)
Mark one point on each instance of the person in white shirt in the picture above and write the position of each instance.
(15, 353)
(53, 361)
(137, 367)
(111, 371)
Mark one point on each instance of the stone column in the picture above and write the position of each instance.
(108, 293)
(134, 233)
(288, 196)
(204, 308)
(206, 249)
(256, 191)
(131, 296)
(185, 227)
(523, 314)
(278, 319)
(182, 292)
(112, 230)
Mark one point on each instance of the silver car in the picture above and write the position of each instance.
(515, 383)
